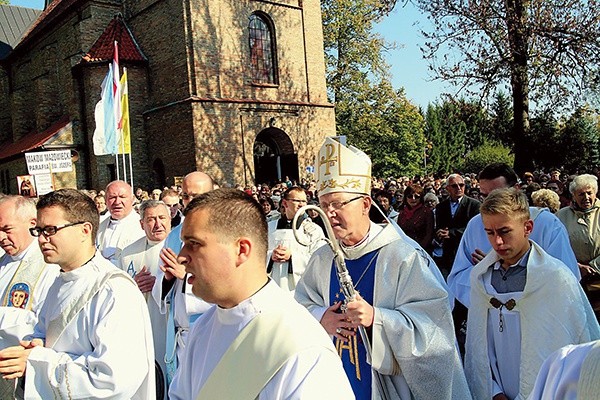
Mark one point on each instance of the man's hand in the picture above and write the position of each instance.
(13, 360)
(281, 254)
(477, 256)
(586, 270)
(359, 312)
(171, 267)
(145, 280)
(336, 323)
(442, 234)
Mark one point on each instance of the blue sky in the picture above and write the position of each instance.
(408, 68)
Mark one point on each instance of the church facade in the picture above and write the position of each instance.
(234, 88)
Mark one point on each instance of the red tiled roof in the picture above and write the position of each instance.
(33, 140)
(103, 49)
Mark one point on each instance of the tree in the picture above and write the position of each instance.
(546, 50)
(4, 2)
(375, 117)
(487, 153)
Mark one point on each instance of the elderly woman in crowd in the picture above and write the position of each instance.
(582, 220)
(415, 219)
(546, 198)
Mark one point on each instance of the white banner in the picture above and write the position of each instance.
(46, 162)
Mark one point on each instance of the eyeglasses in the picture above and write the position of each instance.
(457, 185)
(50, 230)
(337, 205)
(297, 201)
(413, 196)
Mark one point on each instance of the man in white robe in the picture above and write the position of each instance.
(80, 346)
(261, 343)
(287, 258)
(140, 260)
(123, 226)
(525, 304)
(401, 306)
(171, 291)
(24, 276)
(549, 233)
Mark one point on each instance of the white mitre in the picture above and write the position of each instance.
(342, 168)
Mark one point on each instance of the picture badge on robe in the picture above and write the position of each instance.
(19, 295)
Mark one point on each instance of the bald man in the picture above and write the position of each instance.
(171, 286)
(123, 226)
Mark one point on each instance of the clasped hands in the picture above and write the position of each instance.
(13, 360)
(281, 254)
(343, 325)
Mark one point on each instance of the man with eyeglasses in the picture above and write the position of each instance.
(287, 258)
(123, 226)
(80, 346)
(22, 269)
(451, 218)
(171, 290)
(402, 307)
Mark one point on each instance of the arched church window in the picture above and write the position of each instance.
(262, 49)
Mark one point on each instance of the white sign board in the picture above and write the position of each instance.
(47, 162)
(44, 183)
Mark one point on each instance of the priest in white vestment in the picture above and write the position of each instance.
(24, 276)
(94, 340)
(525, 304)
(401, 306)
(140, 260)
(256, 341)
(123, 226)
(171, 291)
(287, 258)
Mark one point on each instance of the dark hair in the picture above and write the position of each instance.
(496, 170)
(413, 188)
(76, 205)
(384, 193)
(232, 214)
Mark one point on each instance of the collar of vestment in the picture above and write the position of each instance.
(377, 237)
(248, 308)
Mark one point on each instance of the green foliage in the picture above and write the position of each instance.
(4, 2)
(540, 49)
(376, 118)
(580, 141)
(485, 154)
(454, 128)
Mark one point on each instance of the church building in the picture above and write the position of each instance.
(234, 88)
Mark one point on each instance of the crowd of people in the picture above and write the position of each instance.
(470, 286)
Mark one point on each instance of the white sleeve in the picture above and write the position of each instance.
(108, 351)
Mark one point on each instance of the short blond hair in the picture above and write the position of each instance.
(506, 201)
(546, 198)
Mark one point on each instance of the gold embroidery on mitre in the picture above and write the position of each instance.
(342, 168)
